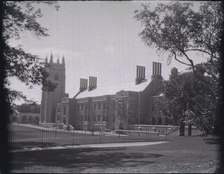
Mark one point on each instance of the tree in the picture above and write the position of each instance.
(28, 68)
(181, 32)
(16, 18)
(190, 100)
(178, 30)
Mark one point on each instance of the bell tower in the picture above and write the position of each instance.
(49, 100)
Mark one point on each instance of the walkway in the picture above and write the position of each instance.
(110, 145)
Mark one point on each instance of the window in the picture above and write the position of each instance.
(104, 117)
(86, 107)
(81, 107)
(94, 106)
(98, 117)
(99, 106)
(64, 110)
(58, 109)
(86, 118)
(94, 118)
(104, 106)
(56, 77)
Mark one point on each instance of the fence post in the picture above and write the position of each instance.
(73, 137)
(42, 132)
(55, 134)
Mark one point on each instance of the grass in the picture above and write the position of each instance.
(181, 154)
(21, 137)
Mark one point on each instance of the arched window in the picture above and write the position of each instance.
(36, 120)
(56, 77)
(30, 120)
(24, 119)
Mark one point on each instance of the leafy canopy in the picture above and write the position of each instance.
(20, 16)
(177, 29)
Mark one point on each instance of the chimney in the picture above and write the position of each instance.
(83, 84)
(140, 74)
(92, 83)
(156, 69)
(51, 58)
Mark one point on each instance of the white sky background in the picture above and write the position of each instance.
(97, 39)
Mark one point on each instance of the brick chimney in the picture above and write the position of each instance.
(140, 74)
(83, 84)
(92, 83)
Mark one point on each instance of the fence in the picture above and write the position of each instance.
(29, 136)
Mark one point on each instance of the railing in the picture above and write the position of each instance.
(27, 136)
(172, 130)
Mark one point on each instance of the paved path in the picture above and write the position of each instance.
(134, 144)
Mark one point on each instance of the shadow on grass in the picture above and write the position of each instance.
(81, 158)
(22, 145)
(212, 140)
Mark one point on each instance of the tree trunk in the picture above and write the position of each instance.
(189, 130)
(182, 128)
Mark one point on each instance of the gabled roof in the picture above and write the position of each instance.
(112, 90)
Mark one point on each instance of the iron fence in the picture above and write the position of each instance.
(31, 136)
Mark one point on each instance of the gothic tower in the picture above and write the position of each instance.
(50, 99)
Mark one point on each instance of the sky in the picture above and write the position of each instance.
(97, 38)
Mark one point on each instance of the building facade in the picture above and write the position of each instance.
(114, 107)
(49, 100)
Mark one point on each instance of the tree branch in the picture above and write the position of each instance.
(175, 57)
(200, 50)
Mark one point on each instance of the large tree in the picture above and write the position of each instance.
(182, 31)
(18, 17)
(190, 100)
(177, 29)
(28, 68)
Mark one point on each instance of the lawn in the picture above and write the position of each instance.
(21, 137)
(181, 154)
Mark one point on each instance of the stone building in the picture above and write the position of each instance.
(50, 99)
(114, 107)
(26, 113)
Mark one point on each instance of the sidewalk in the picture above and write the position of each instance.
(134, 144)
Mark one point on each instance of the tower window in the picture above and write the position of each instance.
(56, 77)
